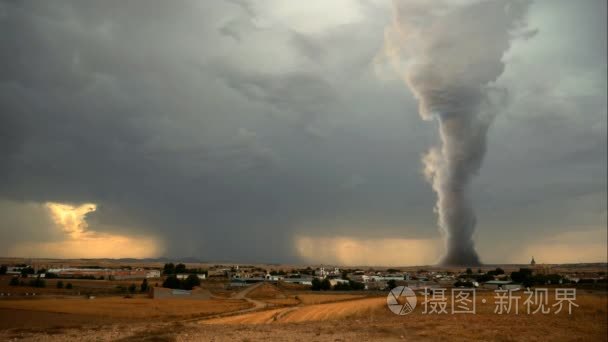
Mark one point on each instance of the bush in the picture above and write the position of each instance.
(14, 281)
(60, 284)
(342, 287)
(3, 269)
(485, 277)
(187, 284)
(38, 282)
(497, 271)
(144, 285)
(172, 282)
(69, 286)
(463, 283)
(355, 285)
(391, 284)
(26, 271)
(51, 276)
(191, 282)
(132, 288)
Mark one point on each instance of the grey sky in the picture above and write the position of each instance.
(229, 129)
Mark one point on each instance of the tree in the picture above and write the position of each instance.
(521, 275)
(37, 282)
(169, 268)
(14, 281)
(60, 284)
(3, 269)
(172, 282)
(469, 271)
(191, 282)
(144, 285)
(325, 284)
(355, 285)
(132, 288)
(316, 284)
(27, 270)
(528, 282)
(391, 284)
(497, 271)
(180, 268)
(68, 286)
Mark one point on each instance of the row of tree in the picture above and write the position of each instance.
(524, 276)
(61, 286)
(33, 282)
(171, 268)
(143, 287)
(325, 285)
(190, 282)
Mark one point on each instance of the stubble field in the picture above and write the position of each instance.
(315, 317)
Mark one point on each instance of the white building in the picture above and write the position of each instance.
(153, 274)
(272, 277)
(334, 282)
(184, 276)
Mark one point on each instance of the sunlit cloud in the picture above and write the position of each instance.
(71, 218)
(82, 242)
(350, 251)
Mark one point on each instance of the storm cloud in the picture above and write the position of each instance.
(232, 130)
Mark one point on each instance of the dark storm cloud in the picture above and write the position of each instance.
(224, 132)
(303, 96)
(114, 106)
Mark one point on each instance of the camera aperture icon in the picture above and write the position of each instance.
(401, 300)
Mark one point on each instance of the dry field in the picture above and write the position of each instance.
(266, 291)
(289, 301)
(126, 308)
(316, 317)
(371, 319)
(80, 286)
(313, 298)
(315, 312)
